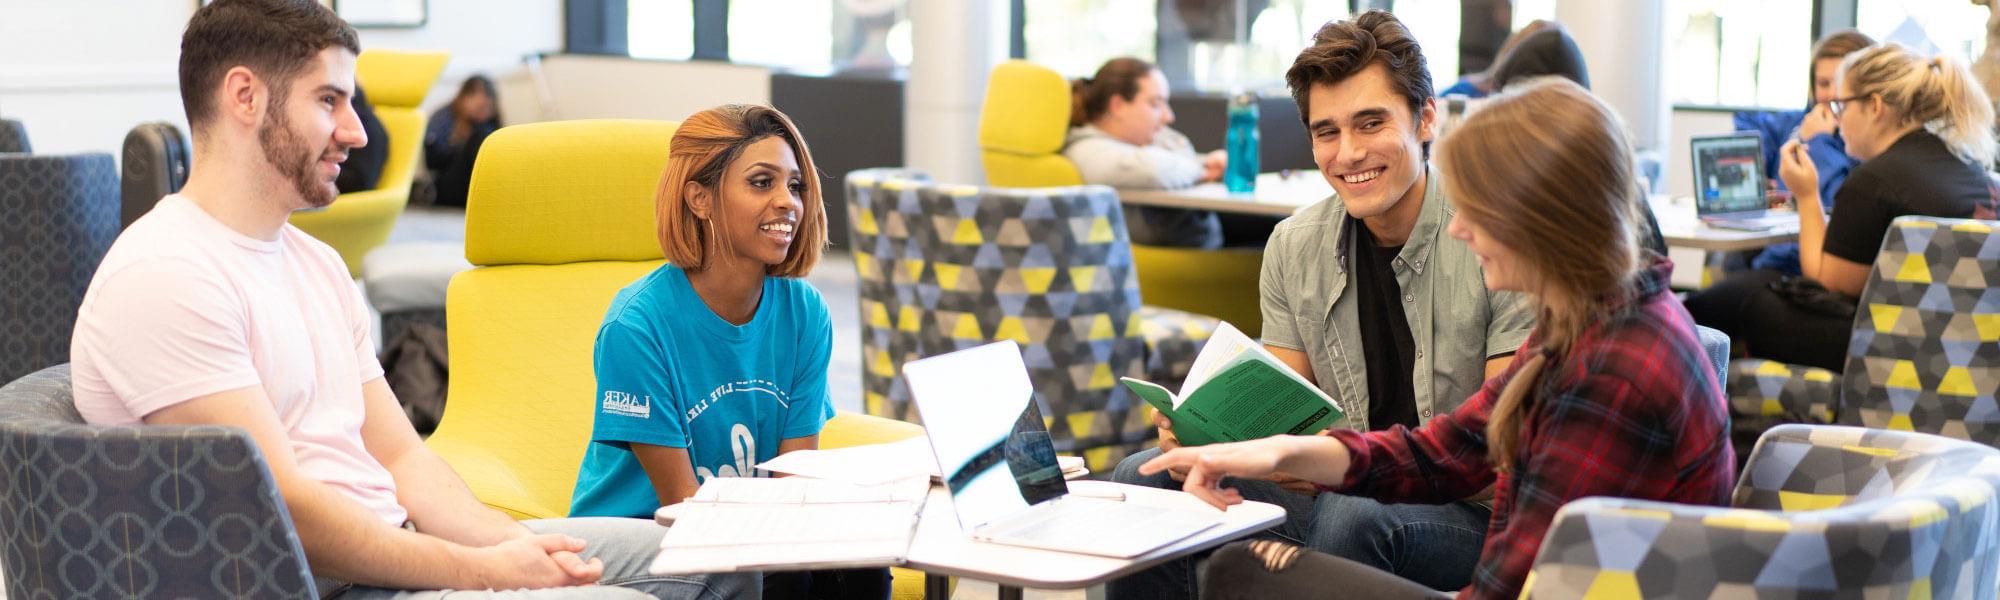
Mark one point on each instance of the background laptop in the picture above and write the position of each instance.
(993, 449)
(1729, 182)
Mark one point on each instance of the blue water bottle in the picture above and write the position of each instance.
(1241, 143)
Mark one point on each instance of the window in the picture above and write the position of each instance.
(1435, 24)
(1074, 37)
(1739, 52)
(1526, 11)
(1953, 27)
(781, 33)
(804, 35)
(660, 29)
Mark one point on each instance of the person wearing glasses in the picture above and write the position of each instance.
(1812, 127)
(1922, 129)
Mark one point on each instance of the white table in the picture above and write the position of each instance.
(1277, 194)
(941, 549)
(1683, 229)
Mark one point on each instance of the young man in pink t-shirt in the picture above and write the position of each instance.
(212, 310)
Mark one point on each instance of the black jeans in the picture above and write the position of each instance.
(1284, 571)
(1744, 307)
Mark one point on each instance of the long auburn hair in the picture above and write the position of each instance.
(701, 150)
(1545, 170)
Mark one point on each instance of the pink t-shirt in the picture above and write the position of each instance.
(183, 307)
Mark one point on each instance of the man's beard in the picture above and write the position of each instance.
(287, 151)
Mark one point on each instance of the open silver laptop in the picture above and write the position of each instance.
(1729, 183)
(994, 451)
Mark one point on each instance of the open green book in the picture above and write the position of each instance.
(1238, 391)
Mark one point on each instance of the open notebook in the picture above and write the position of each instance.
(792, 523)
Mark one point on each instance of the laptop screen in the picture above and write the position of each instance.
(979, 410)
(1728, 174)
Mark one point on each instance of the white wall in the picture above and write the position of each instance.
(81, 73)
(602, 87)
(483, 36)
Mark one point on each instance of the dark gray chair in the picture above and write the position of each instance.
(136, 512)
(14, 137)
(157, 158)
(58, 216)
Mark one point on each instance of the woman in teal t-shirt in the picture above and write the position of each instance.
(717, 362)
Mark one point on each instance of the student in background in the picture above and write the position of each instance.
(1367, 297)
(1612, 395)
(1480, 85)
(363, 168)
(267, 333)
(1815, 127)
(454, 134)
(1119, 136)
(1544, 52)
(716, 361)
(1922, 130)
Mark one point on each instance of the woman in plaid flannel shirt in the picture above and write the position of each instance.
(1612, 395)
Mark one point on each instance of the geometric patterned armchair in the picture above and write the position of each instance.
(136, 512)
(944, 267)
(358, 222)
(58, 216)
(1822, 511)
(1923, 354)
(1023, 125)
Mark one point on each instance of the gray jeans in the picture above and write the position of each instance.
(626, 546)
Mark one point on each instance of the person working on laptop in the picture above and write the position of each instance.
(1365, 296)
(716, 361)
(212, 310)
(1923, 131)
(1813, 126)
(1611, 396)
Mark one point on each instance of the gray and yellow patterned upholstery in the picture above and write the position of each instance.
(1821, 512)
(58, 216)
(136, 512)
(14, 137)
(945, 267)
(1771, 389)
(1922, 356)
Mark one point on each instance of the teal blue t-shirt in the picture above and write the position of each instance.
(672, 373)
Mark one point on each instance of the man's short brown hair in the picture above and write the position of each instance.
(276, 39)
(1343, 48)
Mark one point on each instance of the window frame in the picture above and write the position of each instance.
(598, 27)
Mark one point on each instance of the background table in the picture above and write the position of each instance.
(1683, 229)
(1277, 194)
(941, 549)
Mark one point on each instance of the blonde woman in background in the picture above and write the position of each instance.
(1923, 131)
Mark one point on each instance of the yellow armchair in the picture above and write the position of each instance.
(561, 219)
(358, 222)
(1022, 125)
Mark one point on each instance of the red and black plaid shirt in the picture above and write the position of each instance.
(1632, 411)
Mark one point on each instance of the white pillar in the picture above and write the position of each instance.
(955, 44)
(1623, 43)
